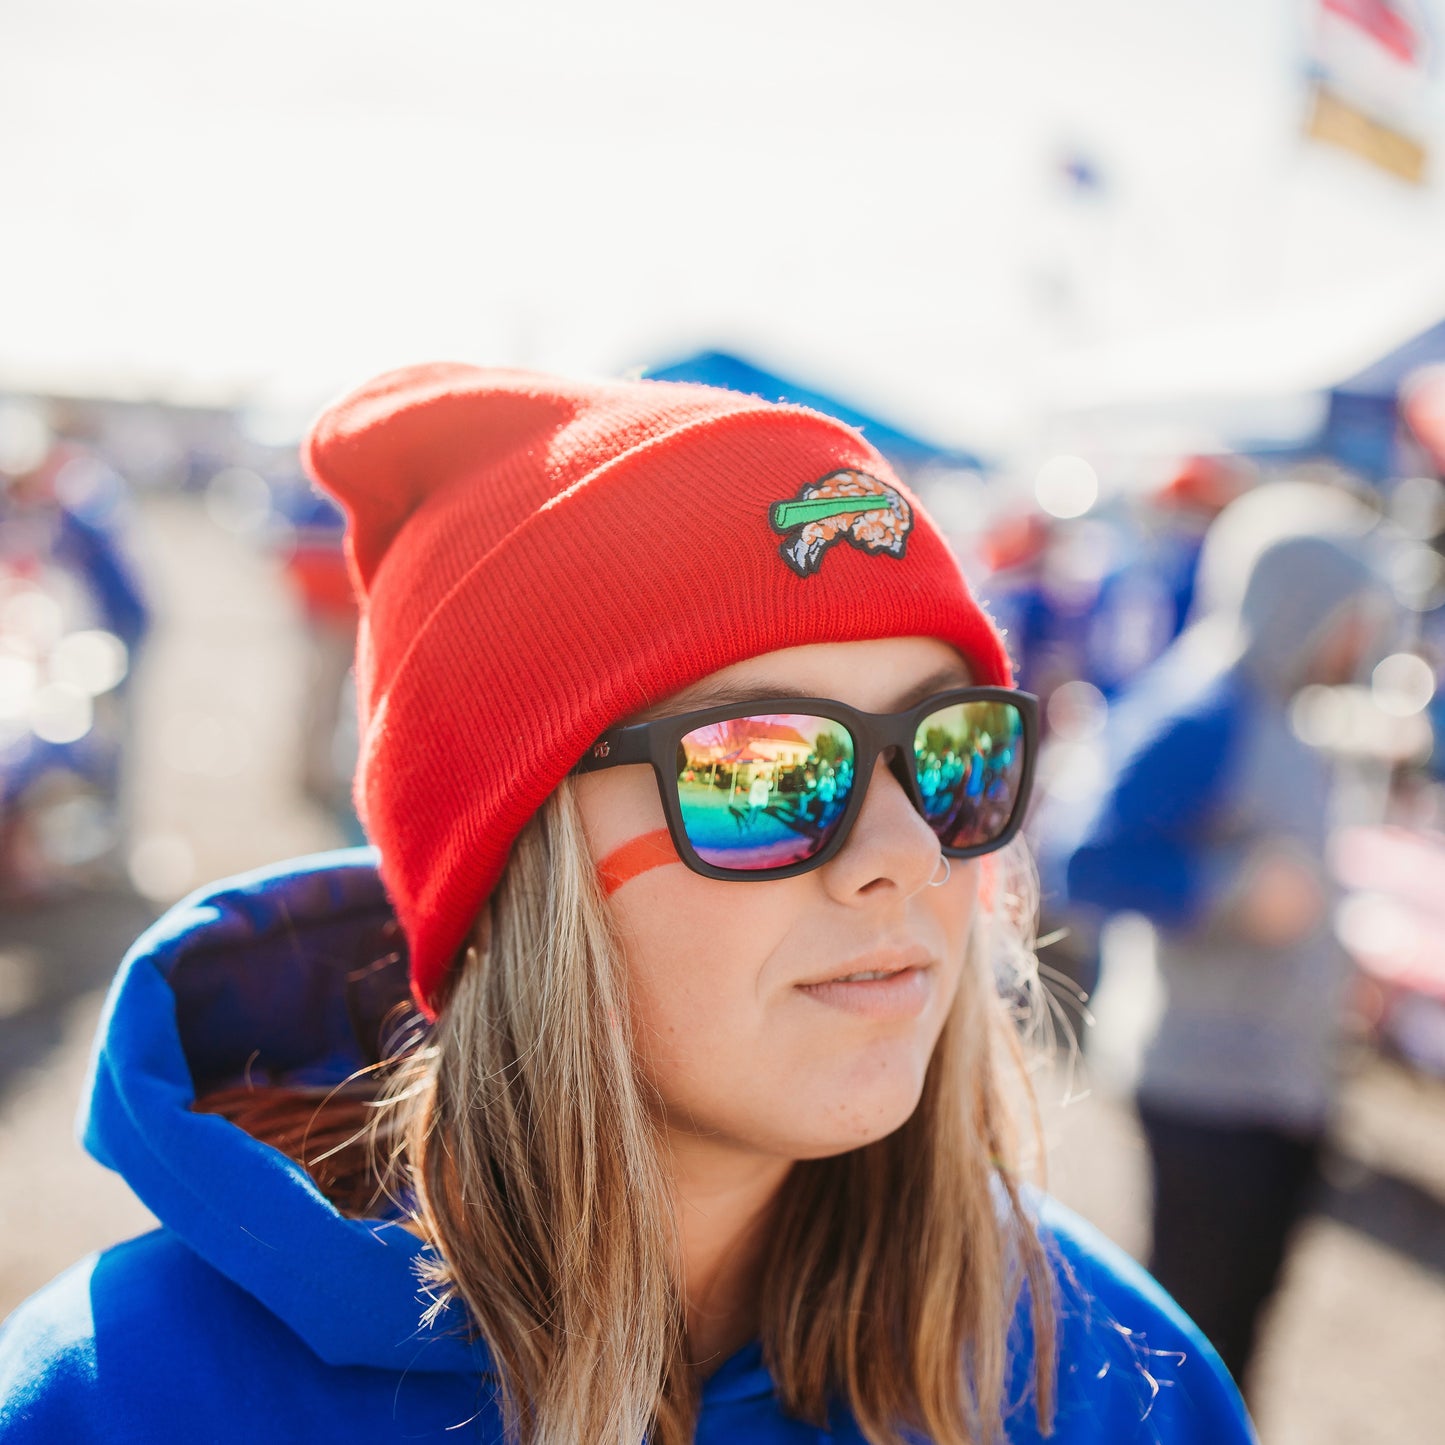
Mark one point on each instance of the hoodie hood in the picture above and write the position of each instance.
(1279, 567)
(284, 975)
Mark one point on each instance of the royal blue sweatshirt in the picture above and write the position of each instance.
(257, 1312)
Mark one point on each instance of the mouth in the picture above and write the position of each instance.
(876, 967)
(893, 986)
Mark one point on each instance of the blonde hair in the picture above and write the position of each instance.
(525, 1136)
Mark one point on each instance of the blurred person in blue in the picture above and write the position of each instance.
(1013, 551)
(1087, 598)
(1211, 819)
(686, 1133)
(70, 510)
(1178, 516)
(73, 614)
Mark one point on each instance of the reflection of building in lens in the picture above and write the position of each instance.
(741, 753)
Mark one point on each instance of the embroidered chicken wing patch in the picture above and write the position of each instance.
(843, 506)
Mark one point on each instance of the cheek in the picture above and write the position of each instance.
(695, 949)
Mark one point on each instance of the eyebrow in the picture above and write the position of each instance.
(719, 694)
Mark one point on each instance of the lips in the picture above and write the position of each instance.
(890, 987)
(873, 967)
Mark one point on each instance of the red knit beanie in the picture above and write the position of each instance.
(538, 558)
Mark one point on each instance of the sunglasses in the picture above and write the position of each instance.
(771, 789)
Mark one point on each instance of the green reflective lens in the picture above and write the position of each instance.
(970, 760)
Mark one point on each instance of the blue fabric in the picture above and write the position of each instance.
(1362, 422)
(257, 1312)
(93, 545)
(718, 368)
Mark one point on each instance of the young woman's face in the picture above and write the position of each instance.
(738, 1014)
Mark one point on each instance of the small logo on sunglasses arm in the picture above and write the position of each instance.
(602, 750)
(843, 506)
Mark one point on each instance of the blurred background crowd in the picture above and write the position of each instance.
(1144, 298)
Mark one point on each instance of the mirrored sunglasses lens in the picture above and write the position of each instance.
(763, 791)
(970, 770)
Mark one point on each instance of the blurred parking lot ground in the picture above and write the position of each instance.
(1352, 1353)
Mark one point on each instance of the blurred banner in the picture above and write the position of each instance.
(1371, 73)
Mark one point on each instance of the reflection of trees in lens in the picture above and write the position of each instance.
(939, 740)
(997, 719)
(830, 745)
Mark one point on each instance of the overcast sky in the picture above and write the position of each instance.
(282, 196)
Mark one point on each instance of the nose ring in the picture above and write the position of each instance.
(947, 873)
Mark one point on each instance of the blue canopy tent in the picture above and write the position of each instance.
(907, 452)
(1362, 422)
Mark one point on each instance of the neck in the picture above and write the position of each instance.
(723, 1197)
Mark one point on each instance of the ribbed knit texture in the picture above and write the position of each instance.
(539, 558)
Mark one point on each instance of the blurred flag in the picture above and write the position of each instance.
(1081, 175)
(1370, 71)
(1381, 21)
(1335, 121)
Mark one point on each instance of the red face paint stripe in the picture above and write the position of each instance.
(651, 850)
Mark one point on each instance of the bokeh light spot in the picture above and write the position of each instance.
(60, 714)
(1403, 684)
(1066, 486)
(162, 867)
(92, 662)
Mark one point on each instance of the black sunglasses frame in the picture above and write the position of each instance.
(874, 735)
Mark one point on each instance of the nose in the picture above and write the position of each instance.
(891, 850)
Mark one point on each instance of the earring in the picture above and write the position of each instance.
(947, 873)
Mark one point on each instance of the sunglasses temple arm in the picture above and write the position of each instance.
(619, 745)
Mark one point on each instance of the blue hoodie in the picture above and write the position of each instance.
(256, 1311)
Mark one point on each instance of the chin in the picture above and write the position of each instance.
(854, 1118)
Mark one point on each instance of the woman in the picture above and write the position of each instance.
(703, 1134)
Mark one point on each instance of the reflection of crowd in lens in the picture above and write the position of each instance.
(806, 797)
(820, 789)
(938, 779)
(974, 779)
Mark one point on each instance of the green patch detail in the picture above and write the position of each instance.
(787, 515)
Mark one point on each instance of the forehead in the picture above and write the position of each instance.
(882, 675)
